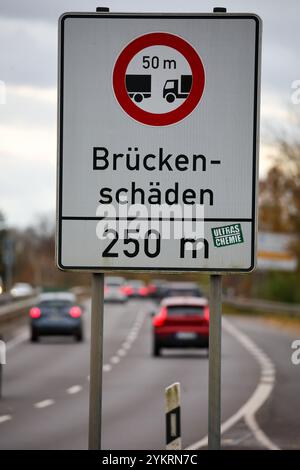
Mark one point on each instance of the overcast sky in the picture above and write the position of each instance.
(28, 67)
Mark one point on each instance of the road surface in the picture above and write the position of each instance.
(45, 403)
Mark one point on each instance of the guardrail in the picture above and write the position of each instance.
(12, 310)
(5, 298)
(17, 309)
(259, 305)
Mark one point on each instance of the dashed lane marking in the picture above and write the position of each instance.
(44, 403)
(5, 418)
(74, 389)
(115, 360)
(122, 352)
(126, 345)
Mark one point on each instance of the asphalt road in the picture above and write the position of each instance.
(45, 402)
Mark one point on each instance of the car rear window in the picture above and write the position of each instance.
(184, 293)
(185, 310)
(55, 304)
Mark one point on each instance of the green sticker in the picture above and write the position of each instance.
(227, 235)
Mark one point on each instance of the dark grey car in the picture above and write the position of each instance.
(56, 313)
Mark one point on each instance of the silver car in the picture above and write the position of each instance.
(114, 289)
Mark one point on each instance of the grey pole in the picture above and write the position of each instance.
(214, 385)
(215, 348)
(96, 362)
(96, 354)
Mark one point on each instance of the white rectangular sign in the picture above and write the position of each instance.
(158, 141)
(274, 252)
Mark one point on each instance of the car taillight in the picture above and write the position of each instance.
(160, 319)
(152, 289)
(143, 291)
(127, 290)
(75, 312)
(206, 313)
(35, 312)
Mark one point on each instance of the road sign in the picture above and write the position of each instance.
(274, 252)
(149, 63)
(158, 141)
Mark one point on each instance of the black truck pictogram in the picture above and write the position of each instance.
(138, 87)
(179, 88)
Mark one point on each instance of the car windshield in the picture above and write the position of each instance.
(185, 310)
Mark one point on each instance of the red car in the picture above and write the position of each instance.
(182, 322)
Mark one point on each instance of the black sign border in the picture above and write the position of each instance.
(60, 217)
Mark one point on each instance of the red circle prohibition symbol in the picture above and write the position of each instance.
(198, 81)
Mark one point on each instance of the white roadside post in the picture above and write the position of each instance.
(173, 417)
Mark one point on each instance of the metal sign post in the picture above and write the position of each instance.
(214, 385)
(96, 354)
(96, 361)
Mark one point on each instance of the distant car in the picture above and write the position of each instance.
(135, 288)
(180, 289)
(56, 313)
(114, 289)
(158, 288)
(21, 289)
(181, 322)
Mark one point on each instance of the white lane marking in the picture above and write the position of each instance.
(132, 336)
(5, 418)
(18, 305)
(74, 389)
(262, 395)
(126, 345)
(258, 398)
(115, 360)
(44, 403)
(122, 352)
(264, 388)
